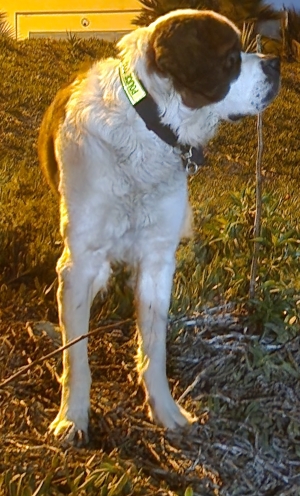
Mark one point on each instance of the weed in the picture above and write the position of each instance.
(219, 258)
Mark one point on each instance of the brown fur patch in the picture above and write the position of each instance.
(200, 52)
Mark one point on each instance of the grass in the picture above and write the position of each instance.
(237, 369)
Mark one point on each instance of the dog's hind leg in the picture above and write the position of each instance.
(79, 281)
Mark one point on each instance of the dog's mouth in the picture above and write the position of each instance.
(236, 117)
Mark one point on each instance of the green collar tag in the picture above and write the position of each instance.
(131, 85)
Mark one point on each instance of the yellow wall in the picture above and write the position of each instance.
(31, 18)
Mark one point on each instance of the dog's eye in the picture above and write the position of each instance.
(233, 60)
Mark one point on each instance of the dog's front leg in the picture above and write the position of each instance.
(71, 423)
(153, 292)
(78, 284)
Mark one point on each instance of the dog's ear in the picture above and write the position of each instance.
(200, 52)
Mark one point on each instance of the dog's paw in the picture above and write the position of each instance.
(70, 432)
(169, 414)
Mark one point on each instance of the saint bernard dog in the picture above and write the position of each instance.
(115, 145)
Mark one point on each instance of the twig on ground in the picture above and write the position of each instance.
(62, 348)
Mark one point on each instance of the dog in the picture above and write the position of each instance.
(116, 145)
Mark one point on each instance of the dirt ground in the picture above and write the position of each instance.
(246, 440)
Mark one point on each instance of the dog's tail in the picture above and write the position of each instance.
(46, 150)
(47, 157)
(52, 120)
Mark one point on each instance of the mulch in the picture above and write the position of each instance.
(244, 390)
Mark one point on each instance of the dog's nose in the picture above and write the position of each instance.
(270, 65)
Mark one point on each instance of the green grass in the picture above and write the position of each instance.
(213, 268)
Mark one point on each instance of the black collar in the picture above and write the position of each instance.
(147, 109)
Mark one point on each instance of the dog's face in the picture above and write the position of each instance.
(200, 51)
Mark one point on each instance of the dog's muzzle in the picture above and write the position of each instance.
(271, 68)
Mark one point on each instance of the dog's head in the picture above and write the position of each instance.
(200, 51)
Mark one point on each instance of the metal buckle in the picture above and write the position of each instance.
(190, 166)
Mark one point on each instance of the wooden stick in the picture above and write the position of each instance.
(62, 348)
(258, 209)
